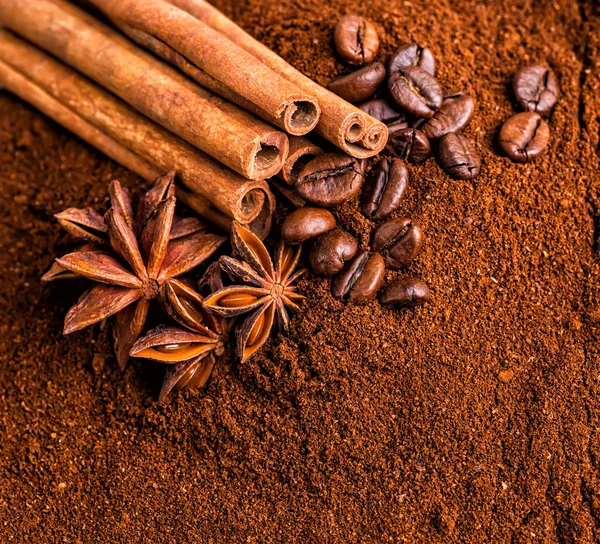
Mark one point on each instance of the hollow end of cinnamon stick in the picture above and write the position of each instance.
(301, 116)
(353, 129)
(267, 155)
(250, 205)
(261, 224)
(302, 151)
(375, 137)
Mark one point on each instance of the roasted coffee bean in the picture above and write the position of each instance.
(411, 54)
(356, 39)
(400, 240)
(305, 223)
(524, 136)
(384, 189)
(458, 156)
(330, 179)
(360, 85)
(383, 111)
(416, 90)
(408, 143)
(362, 279)
(454, 115)
(331, 252)
(407, 292)
(536, 88)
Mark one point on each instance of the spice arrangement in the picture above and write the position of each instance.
(223, 157)
(471, 418)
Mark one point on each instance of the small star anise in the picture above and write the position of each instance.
(142, 262)
(189, 351)
(271, 290)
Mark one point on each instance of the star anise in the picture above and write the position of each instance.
(88, 225)
(271, 290)
(141, 265)
(190, 349)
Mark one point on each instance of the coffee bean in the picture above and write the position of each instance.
(454, 115)
(536, 88)
(362, 279)
(359, 85)
(458, 156)
(356, 39)
(331, 252)
(524, 136)
(330, 179)
(411, 54)
(400, 240)
(383, 111)
(305, 223)
(384, 189)
(408, 143)
(407, 292)
(416, 90)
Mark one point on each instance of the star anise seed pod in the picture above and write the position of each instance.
(189, 353)
(130, 278)
(88, 225)
(271, 290)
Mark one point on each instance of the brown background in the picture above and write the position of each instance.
(364, 425)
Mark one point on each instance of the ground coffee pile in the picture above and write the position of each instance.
(473, 419)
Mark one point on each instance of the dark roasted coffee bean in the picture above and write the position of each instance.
(416, 90)
(356, 39)
(411, 54)
(458, 156)
(408, 143)
(407, 292)
(330, 179)
(360, 85)
(454, 115)
(362, 279)
(305, 223)
(331, 252)
(384, 189)
(383, 111)
(536, 88)
(400, 240)
(524, 136)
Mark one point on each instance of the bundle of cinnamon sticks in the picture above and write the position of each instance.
(224, 110)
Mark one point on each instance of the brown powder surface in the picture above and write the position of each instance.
(473, 419)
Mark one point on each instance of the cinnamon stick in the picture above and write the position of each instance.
(341, 123)
(131, 139)
(223, 130)
(301, 152)
(214, 61)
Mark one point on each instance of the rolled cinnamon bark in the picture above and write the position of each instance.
(215, 61)
(301, 152)
(375, 134)
(341, 123)
(129, 138)
(223, 130)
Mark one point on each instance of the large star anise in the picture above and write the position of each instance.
(87, 225)
(271, 290)
(141, 265)
(190, 349)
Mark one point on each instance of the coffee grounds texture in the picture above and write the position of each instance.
(473, 419)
